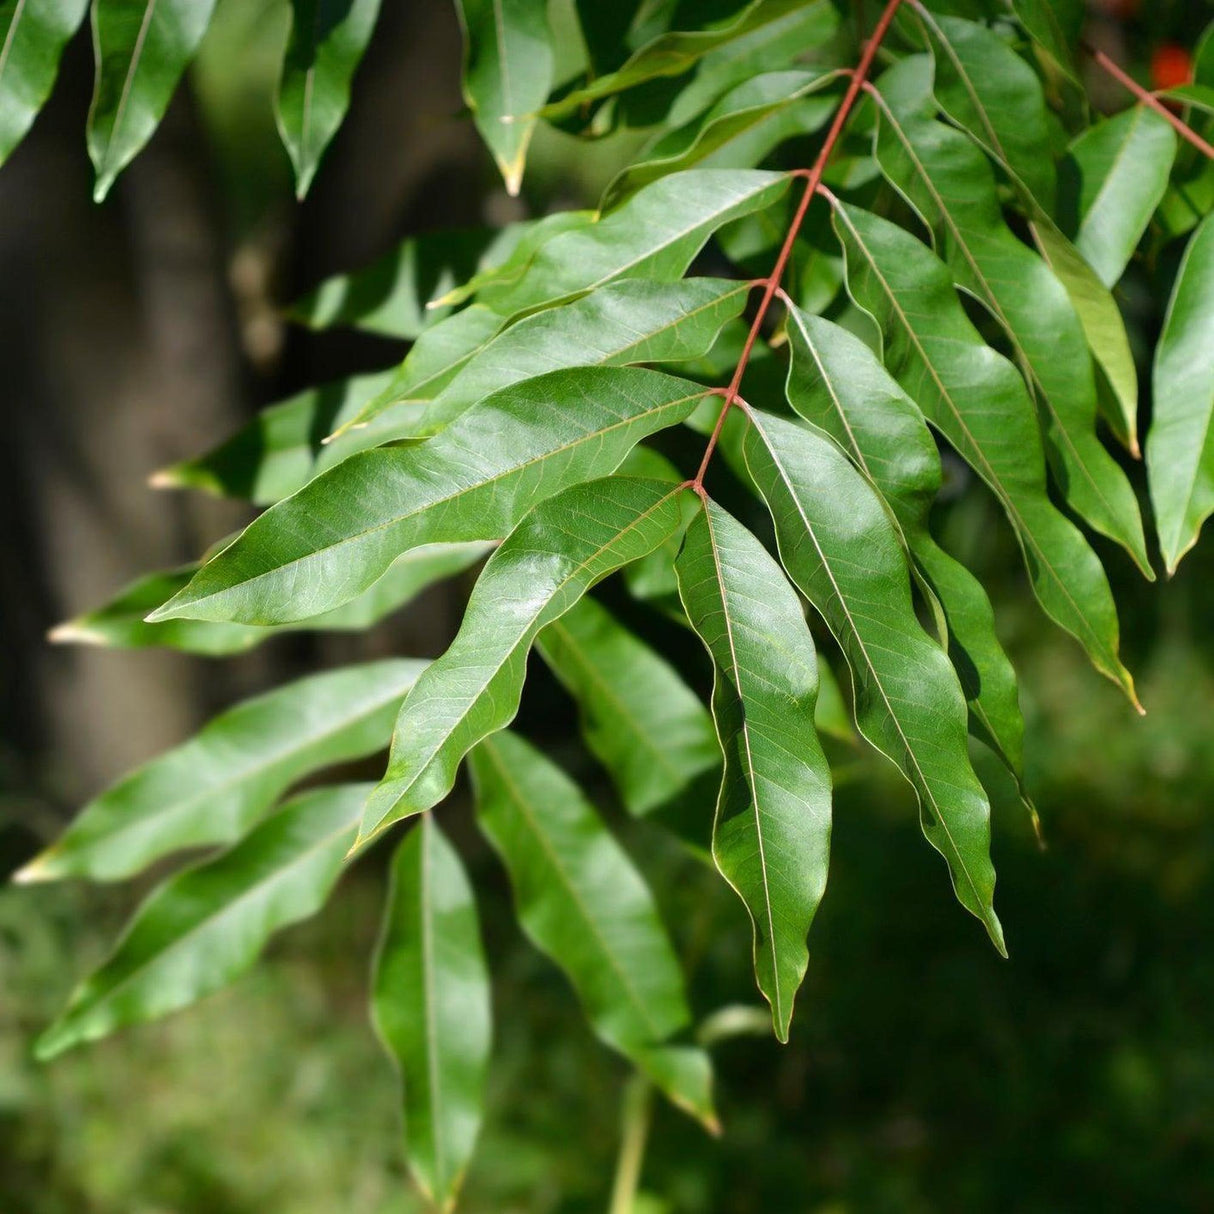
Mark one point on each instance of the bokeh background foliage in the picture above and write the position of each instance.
(923, 1073)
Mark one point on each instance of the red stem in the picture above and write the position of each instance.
(813, 179)
(1150, 100)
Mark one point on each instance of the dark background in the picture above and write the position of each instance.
(923, 1074)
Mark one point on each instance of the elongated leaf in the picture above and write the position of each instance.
(1180, 445)
(475, 480)
(142, 47)
(206, 925)
(508, 66)
(977, 400)
(655, 235)
(122, 623)
(328, 38)
(1055, 26)
(583, 903)
(1102, 326)
(836, 382)
(675, 52)
(430, 1005)
(646, 726)
(211, 789)
(840, 547)
(555, 555)
(947, 179)
(737, 132)
(988, 90)
(33, 34)
(771, 834)
(1113, 179)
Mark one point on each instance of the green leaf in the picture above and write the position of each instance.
(583, 903)
(430, 1005)
(771, 834)
(508, 66)
(1180, 445)
(141, 47)
(948, 181)
(655, 235)
(840, 547)
(836, 382)
(737, 132)
(328, 38)
(474, 481)
(210, 789)
(121, 623)
(643, 723)
(978, 401)
(989, 91)
(33, 34)
(1055, 26)
(1113, 178)
(1103, 327)
(676, 52)
(555, 555)
(206, 925)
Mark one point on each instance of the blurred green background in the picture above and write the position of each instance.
(923, 1074)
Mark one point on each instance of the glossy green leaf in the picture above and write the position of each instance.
(1180, 445)
(474, 481)
(737, 132)
(1103, 327)
(328, 38)
(430, 1004)
(677, 51)
(555, 555)
(583, 903)
(771, 833)
(207, 924)
(1113, 178)
(979, 402)
(836, 382)
(840, 547)
(996, 97)
(141, 47)
(949, 182)
(213, 787)
(508, 66)
(643, 723)
(1055, 26)
(33, 34)
(122, 624)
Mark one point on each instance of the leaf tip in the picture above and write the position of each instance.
(75, 632)
(167, 478)
(37, 870)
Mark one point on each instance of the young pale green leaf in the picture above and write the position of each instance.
(1113, 178)
(1103, 327)
(583, 903)
(996, 97)
(840, 547)
(949, 182)
(836, 382)
(430, 1005)
(508, 64)
(142, 47)
(122, 622)
(737, 132)
(207, 924)
(33, 34)
(211, 789)
(643, 723)
(328, 38)
(677, 51)
(1180, 445)
(771, 833)
(554, 556)
(474, 481)
(979, 402)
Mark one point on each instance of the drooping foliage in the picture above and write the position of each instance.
(940, 223)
